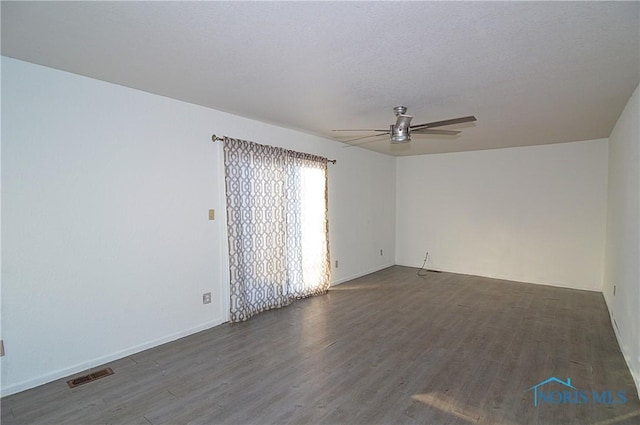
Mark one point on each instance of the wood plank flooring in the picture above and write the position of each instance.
(388, 348)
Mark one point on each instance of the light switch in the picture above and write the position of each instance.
(212, 214)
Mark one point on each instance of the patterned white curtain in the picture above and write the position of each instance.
(277, 219)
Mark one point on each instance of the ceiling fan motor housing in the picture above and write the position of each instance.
(398, 136)
(400, 131)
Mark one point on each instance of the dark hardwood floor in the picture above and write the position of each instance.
(388, 348)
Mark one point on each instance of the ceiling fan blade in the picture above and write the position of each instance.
(445, 122)
(430, 131)
(360, 129)
(362, 138)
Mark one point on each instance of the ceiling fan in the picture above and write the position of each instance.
(401, 131)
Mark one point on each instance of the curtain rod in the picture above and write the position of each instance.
(219, 139)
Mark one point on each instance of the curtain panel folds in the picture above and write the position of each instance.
(277, 222)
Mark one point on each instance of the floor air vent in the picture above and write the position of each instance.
(89, 378)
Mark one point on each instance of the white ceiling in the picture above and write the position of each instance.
(531, 72)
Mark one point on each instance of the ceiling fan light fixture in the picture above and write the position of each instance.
(400, 134)
(397, 139)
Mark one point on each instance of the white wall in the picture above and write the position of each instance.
(622, 259)
(107, 248)
(363, 212)
(534, 214)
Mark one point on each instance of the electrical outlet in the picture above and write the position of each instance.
(206, 298)
(336, 264)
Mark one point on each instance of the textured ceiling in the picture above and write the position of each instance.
(532, 73)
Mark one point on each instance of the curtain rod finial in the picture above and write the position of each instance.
(215, 138)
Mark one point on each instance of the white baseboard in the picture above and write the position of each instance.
(357, 275)
(61, 373)
(505, 277)
(635, 375)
